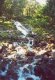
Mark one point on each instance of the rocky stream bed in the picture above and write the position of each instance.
(28, 68)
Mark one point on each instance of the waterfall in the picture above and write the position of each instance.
(25, 32)
(21, 28)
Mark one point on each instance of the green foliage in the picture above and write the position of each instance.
(6, 24)
(14, 8)
(49, 10)
(1, 7)
(4, 34)
(40, 18)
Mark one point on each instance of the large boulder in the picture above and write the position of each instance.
(46, 69)
(30, 53)
(42, 44)
(10, 46)
(1, 49)
(29, 78)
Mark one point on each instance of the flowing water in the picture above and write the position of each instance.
(24, 31)
(21, 28)
(24, 69)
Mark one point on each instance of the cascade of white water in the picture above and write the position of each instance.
(24, 31)
(21, 28)
(23, 75)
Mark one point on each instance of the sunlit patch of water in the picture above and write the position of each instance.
(21, 28)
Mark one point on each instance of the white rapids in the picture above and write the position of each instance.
(21, 28)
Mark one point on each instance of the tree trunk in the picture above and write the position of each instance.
(1, 7)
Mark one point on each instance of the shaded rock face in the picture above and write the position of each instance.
(17, 70)
(29, 78)
(45, 69)
(1, 49)
(29, 53)
(6, 70)
(25, 70)
(48, 53)
(29, 68)
(11, 74)
(42, 44)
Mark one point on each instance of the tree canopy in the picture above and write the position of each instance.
(41, 18)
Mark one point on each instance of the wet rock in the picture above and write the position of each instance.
(3, 65)
(1, 58)
(12, 75)
(53, 54)
(5, 44)
(46, 69)
(1, 49)
(30, 59)
(10, 46)
(42, 44)
(29, 78)
(29, 53)
(19, 57)
(30, 67)
(23, 62)
(15, 44)
(48, 53)
(3, 78)
(25, 70)
(13, 65)
(38, 71)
